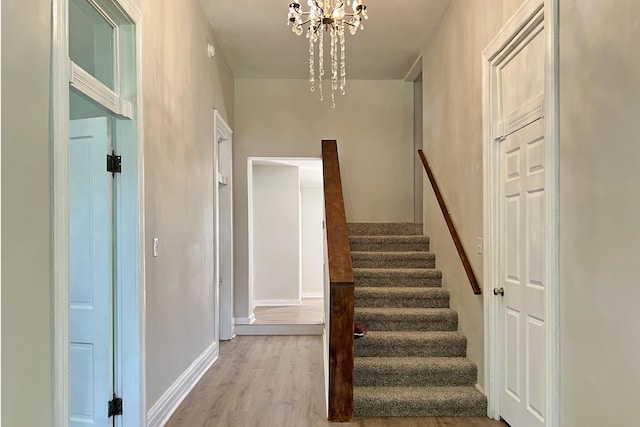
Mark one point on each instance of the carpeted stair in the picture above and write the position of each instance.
(412, 361)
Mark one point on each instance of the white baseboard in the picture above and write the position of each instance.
(162, 410)
(480, 388)
(277, 302)
(317, 329)
(245, 320)
(312, 295)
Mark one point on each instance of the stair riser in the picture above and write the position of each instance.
(359, 262)
(396, 377)
(365, 348)
(398, 281)
(366, 409)
(435, 324)
(365, 301)
(368, 246)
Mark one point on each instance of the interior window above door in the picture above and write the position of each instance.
(92, 40)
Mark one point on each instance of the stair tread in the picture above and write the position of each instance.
(413, 335)
(403, 254)
(384, 229)
(397, 277)
(408, 259)
(422, 395)
(399, 362)
(408, 311)
(422, 272)
(392, 238)
(412, 291)
(401, 297)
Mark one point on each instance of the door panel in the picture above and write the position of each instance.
(91, 363)
(522, 254)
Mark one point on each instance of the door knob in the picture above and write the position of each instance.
(497, 291)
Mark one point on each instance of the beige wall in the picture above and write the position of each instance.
(26, 215)
(599, 213)
(452, 89)
(276, 233)
(373, 127)
(182, 86)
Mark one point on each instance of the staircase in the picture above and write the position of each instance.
(412, 362)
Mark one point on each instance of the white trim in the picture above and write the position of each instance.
(277, 302)
(222, 132)
(250, 305)
(523, 116)
(84, 82)
(515, 24)
(0, 210)
(245, 320)
(552, 134)
(162, 410)
(135, 13)
(313, 295)
(61, 229)
(491, 111)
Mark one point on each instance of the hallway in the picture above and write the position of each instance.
(269, 381)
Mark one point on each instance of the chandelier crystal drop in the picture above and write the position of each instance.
(327, 16)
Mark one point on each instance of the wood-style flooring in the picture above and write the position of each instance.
(277, 381)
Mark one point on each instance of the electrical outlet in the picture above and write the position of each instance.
(155, 246)
(479, 247)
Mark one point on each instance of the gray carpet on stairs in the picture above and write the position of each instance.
(412, 362)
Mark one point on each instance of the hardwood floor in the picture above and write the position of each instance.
(277, 381)
(310, 312)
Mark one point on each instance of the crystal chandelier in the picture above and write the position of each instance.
(330, 16)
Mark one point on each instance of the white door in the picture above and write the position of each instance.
(91, 189)
(522, 399)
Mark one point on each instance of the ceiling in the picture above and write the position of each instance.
(257, 43)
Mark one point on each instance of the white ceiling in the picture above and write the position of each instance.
(257, 43)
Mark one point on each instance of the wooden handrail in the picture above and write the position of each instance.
(452, 228)
(340, 291)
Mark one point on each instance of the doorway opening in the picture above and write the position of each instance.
(286, 213)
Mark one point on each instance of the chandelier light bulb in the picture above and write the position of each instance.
(327, 17)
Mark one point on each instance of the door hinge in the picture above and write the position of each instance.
(115, 406)
(114, 163)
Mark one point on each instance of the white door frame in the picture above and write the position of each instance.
(130, 356)
(223, 305)
(491, 108)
